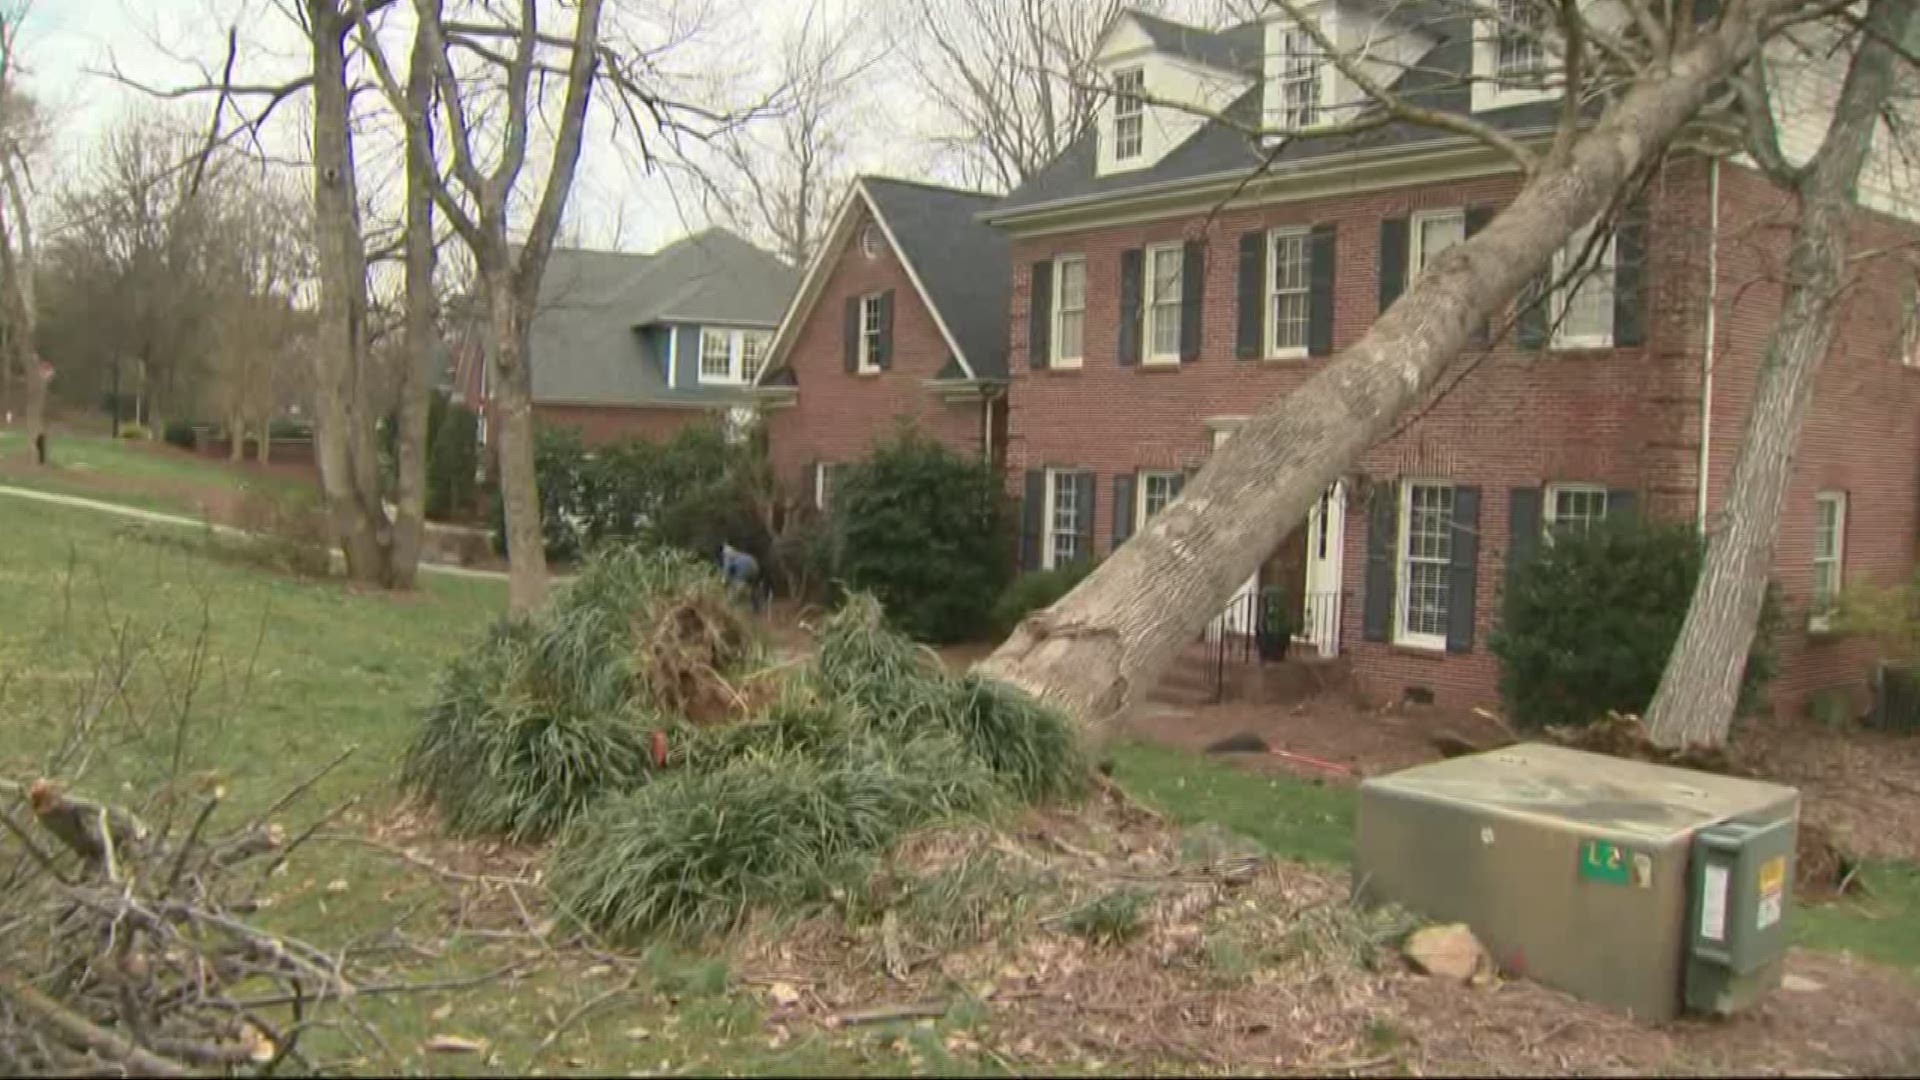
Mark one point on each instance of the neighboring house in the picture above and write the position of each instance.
(627, 345)
(901, 318)
(1164, 289)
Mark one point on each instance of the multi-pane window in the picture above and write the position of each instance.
(1069, 310)
(1063, 518)
(1129, 113)
(1574, 508)
(1299, 80)
(872, 320)
(1163, 304)
(1518, 53)
(1582, 309)
(716, 356)
(753, 353)
(1426, 552)
(1829, 555)
(1434, 232)
(1157, 490)
(1287, 269)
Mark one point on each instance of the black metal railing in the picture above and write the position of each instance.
(1235, 636)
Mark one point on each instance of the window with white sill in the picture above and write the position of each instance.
(1582, 301)
(732, 357)
(1426, 553)
(1289, 300)
(1069, 310)
(1129, 113)
(1829, 557)
(1163, 304)
(1519, 53)
(1300, 70)
(1573, 508)
(1434, 231)
(1065, 523)
(872, 329)
(1157, 492)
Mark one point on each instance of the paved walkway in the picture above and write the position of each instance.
(160, 518)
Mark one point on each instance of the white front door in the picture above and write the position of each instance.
(1320, 602)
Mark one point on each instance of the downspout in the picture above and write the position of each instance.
(1707, 351)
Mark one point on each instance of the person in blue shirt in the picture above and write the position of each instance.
(740, 569)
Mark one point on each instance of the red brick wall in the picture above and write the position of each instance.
(1862, 432)
(1613, 417)
(602, 424)
(838, 416)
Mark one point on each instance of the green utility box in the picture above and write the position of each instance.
(1637, 886)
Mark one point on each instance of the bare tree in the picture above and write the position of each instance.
(1701, 685)
(256, 265)
(19, 127)
(1626, 92)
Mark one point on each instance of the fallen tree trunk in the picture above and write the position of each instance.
(1100, 649)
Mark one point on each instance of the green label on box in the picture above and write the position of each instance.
(1604, 861)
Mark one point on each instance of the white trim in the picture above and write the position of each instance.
(1820, 620)
(1600, 276)
(736, 339)
(1403, 581)
(673, 357)
(864, 362)
(1550, 497)
(1149, 358)
(1054, 357)
(1047, 532)
(1140, 514)
(1488, 91)
(1272, 328)
(807, 296)
(1139, 116)
(1416, 236)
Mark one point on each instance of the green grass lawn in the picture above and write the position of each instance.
(115, 470)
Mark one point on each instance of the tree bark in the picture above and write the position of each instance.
(1700, 688)
(1101, 648)
(513, 418)
(422, 338)
(343, 431)
(237, 440)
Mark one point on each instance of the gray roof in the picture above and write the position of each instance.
(963, 264)
(1220, 146)
(1237, 48)
(587, 340)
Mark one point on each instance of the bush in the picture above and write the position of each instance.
(558, 460)
(288, 532)
(182, 434)
(453, 459)
(1587, 625)
(133, 429)
(1034, 590)
(926, 531)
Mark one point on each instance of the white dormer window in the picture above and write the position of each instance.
(1518, 53)
(732, 357)
(1129, 113)
(1300, 63)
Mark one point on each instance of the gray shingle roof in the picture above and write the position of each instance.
(587, 336)
(1237, 48)
(1220, 147)
(963, 263)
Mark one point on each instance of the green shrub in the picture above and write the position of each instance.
(181, 433)
(558, 460)
(1034, 590)
(694, 852)
(133, 429)
(288, 428)
(926, 531)
(1114, 918)
(287, 531)
(1588, 623)
(453, 459)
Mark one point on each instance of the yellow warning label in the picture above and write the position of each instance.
(1773, 876)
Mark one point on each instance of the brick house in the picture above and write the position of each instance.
(900, 319)
(1166, 285)
(627, 345)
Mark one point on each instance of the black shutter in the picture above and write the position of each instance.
(1123, 503)
(1088, 489)
(1383, 537)
(1530, 322)
(884, 359)
(1180, 480)
(1621, 503)
(1193, 292)
(1040, 318)
(1032, 510)
(1477, 218)
(1630, 276)
(1320, 290)
(852, 344)
(812, 474)
(1523, 529)
(1132, 263)
(1250, 314)
(1463, 574)
(1393, 260)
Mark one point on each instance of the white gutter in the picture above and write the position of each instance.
(1707, 351)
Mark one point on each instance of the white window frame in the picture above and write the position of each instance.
(1056, 337)
(1599, 278)
(1129, 113)
(1549, 513)
(1403, 577)
(1909, 346)
(1301, 66)
(764, 339)
(871, 329)
(1819, 608)
(871, 242)
(1417, 238)
(1509, 12)
(735, 345)
(1149, 321)
(824, 478)
(1050, 535)
(1274, 351)
(1141, 514)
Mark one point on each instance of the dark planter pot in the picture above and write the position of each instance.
(1273, 647)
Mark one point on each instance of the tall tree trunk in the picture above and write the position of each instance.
(263, 450)
(19, 312)
(513, 418)
(422, 338)
(1700, 688)
(236, 439)
(343, 430)
(1101, 648)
